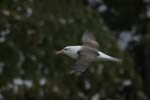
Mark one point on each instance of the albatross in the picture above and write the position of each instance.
(86, 54)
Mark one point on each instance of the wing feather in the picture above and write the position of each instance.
(86, 57)
(89, 40)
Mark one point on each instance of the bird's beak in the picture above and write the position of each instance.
(60, 52)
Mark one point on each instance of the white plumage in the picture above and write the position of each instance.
(86, 54)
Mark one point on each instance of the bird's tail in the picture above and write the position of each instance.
(107, 57)
(115, 59)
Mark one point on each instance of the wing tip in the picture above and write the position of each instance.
(88, 32)
(75, 73)
(117, 60)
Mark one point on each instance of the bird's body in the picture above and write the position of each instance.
(86, 53)
(74, 53)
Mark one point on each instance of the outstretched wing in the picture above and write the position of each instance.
(89, 40)
(86, 57)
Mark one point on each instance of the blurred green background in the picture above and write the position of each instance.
(32, 30)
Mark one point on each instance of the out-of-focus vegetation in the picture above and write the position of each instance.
(32, 30)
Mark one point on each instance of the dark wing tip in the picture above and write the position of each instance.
(75, 72)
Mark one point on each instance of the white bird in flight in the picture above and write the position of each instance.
(85, 54)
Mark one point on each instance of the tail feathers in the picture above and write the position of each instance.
(107, 57)
(115, 59)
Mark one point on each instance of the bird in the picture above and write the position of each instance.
(86, 54)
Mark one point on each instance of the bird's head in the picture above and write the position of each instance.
(63, 51)
(69, 50)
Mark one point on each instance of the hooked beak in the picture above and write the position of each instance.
(60, 52)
